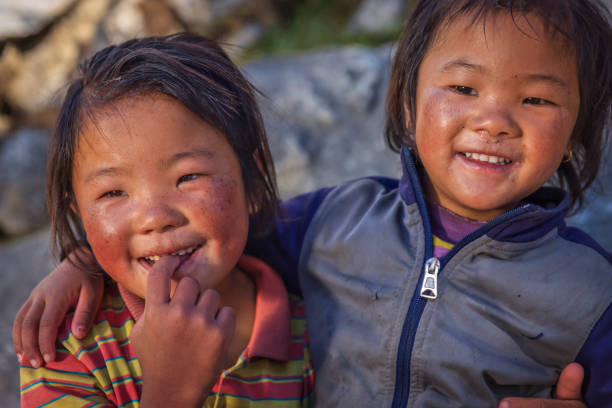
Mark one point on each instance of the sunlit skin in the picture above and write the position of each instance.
(151, 178)
(499, 92)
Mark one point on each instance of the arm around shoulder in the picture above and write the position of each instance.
(36, 323)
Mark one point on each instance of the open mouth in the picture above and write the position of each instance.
(183, 254)
(485, 158)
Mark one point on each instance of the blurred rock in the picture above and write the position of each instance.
(200, 13)
(239, 23)
(124, 21)
(596, 216)
(210, 15)
(377, 16)
(159, 18)
(5, 125)
(22, 181)
(324, 115)
(246, 36)
(23, 18)
(24, 263)
(29, 80)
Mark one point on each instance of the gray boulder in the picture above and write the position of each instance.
(24, 263)
(22, 182)
(27, 17)
(377, 16)
(324, 114)
(596, 216)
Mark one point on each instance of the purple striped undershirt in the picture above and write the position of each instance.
(449, 227)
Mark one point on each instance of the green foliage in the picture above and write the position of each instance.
(307, 24)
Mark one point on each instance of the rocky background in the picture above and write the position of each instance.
(323, 109)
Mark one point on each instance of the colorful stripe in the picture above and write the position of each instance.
(101, 369)
(441, 247)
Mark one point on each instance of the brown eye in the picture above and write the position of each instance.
(464, 90)
(187, 177)
(537, 101)
(112, 193)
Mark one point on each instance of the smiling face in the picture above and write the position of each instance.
(495, 110)
(150, 179)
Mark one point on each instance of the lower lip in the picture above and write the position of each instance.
(485, 165)
(185, 266)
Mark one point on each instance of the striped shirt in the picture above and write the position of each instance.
(101, 370)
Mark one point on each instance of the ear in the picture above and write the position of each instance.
(407, 120)
(254, 207)
(74, 209)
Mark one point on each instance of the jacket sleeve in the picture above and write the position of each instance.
(596, 358)
(282, 246)
(63, 383)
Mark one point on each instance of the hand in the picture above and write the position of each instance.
(181, 343)
(37, 321)
(568, 392)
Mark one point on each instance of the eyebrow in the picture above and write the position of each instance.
(460, 63)
(547, 78)
(189, 154)
(103, 172)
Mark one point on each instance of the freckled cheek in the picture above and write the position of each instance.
(105, 237)
(551, 139)
(430, 133)
(438, 119)
(224, 208)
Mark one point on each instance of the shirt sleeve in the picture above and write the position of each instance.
(281, 247)
(63, 383)
(595, 357)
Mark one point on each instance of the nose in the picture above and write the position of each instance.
(494, 118)
(157, 214)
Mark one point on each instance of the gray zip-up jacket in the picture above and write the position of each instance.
(500, 315)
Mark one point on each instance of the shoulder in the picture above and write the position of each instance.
(584, 241)
(112, 326)
(364, 188)
(100, 369)
(355, 199)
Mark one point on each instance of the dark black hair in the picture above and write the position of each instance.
(187, 67)
(584, 25)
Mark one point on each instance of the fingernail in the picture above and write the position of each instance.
(20, 358)
(504, 404)
(34, 363)
(80, 330)
(47, 357)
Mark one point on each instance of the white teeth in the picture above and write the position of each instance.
(486, 158)
(182, 252)
(154, 258)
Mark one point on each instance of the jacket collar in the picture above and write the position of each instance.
(541, 212)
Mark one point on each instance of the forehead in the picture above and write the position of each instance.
(526, 26)
(142, 129)
(510, 44)
(138, 120)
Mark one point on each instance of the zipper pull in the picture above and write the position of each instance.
(429, 288)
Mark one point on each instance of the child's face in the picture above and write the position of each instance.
(150, 179)
(493, 95)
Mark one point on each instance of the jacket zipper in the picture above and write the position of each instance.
(427, 287)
